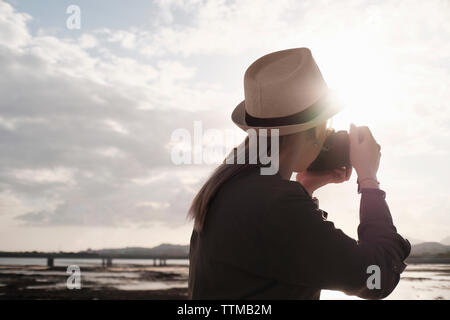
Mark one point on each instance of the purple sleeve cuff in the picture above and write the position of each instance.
(373, 206)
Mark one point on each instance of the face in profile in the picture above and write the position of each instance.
(301, 146)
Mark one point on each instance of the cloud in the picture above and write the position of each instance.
(101, 201)
(14, 32)
(389, 56)
(87, 41)
(58, 175)
(210, 27)
(86, 121)
(79, 124)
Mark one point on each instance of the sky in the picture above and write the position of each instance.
(87, 115)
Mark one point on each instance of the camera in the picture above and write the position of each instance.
(334, 154)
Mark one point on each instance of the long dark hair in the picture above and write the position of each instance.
(224, 172)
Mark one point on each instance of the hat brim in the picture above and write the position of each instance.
(333, 106)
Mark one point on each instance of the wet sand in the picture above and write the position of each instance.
(121, 282)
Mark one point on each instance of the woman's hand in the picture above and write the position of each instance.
(364, 155)
(314, 180)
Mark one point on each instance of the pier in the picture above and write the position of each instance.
(106, 260)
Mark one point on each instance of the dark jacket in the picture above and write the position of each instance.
(266, 238)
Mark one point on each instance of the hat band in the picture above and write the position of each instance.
(297, 118)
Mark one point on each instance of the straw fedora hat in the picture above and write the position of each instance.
(285, 90)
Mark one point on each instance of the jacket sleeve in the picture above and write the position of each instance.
(310, 251)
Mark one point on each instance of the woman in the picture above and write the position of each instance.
(263, 236)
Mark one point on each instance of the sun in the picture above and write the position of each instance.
(363, 79)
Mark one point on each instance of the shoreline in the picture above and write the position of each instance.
(144, 282)
(18, 282)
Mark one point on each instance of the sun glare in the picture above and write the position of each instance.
(363, 79)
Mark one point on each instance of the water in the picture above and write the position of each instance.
(84, 262)
(418, 281)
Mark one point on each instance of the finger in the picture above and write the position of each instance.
(366, 134)
(340, 177)
(353, 135)
(339, 173)
(348, 173)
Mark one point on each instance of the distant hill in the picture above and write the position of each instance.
(429, 249)
(446, 241)
(424, 249)
(413, 241)
(162, 249)
(171, 249)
